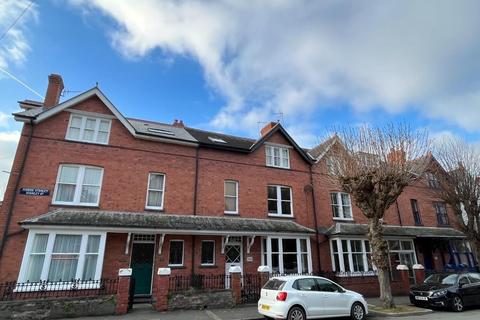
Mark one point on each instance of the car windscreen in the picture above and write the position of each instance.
(274, 284)
(442, 278)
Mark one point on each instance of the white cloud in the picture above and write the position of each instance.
(4, 118)
(14, 45)
(8, 145)
(294, 56)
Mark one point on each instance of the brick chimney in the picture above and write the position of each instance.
(178, 123)
(54, 89)
(396, 156)
(269, 126)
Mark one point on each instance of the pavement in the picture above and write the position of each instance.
(249, 312)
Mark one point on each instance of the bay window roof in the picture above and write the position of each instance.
(164, 223)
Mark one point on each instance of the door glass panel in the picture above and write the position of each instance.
(232, 254)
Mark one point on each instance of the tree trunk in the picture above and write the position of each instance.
(476, 250)
(380, 259)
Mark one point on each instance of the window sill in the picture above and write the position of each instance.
(231, 213)
(89, 142)
(281, 216)
(342, 219)
(154, 209)
(208, 266)
(75, 205)
(283, 168)
(176, 266)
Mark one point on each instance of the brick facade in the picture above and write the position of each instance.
(128, 160)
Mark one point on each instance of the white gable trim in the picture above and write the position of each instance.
(327, 149)
(81, 97)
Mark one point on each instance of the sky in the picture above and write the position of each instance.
(233, 65)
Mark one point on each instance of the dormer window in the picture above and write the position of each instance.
(88, 129)
(277, 156)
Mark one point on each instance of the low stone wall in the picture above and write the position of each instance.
(195, 299)
(54, 308)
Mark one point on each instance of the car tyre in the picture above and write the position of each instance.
(357, 312)
(296, 313)
(457, 304)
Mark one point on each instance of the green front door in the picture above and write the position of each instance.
(142, 264)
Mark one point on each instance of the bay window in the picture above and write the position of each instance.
(62, 256)
(287, 255)
(78, 185)
(351, 255)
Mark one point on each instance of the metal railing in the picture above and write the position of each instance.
(53, 289)
(198, 282)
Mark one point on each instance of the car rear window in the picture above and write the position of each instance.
(274, 284)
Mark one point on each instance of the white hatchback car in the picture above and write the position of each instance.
(302, 297)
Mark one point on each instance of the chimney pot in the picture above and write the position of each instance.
(54, 89)
(269, 126)
(178, 123)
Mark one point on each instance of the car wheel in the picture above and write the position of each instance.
(357, 312)
(296, 313)
(457, 304)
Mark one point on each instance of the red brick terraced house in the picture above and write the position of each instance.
(92, 191)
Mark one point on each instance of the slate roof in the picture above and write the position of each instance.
(30, 113)
(231, 142)
(400, 231)
(158, 129)
(164, 222)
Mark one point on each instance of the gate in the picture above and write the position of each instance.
(251, 286)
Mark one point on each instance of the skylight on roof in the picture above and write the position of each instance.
(217, 140)
(161, 131)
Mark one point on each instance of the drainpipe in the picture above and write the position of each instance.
(14, 195)
(317, 236)
(195, 205)
(398, 213)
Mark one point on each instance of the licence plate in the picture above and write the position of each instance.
(421, 298)
(265, 307)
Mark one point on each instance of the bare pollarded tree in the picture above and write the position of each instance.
(374, 165)
(460, 185)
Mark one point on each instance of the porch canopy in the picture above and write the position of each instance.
(394, 231)
(118, 221)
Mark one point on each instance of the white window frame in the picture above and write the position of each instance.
(78, 186)
(157, 190)
(228, 196)
(280, 148)
(183, 253)
(279, 202)
(340, 206)
(201, 251)
(48, 255)
(84, 118)
(341, 258)
(268, 252)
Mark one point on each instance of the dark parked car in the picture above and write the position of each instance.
(451, 290)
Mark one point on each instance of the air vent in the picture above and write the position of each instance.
(217, 140)
(161, 131)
